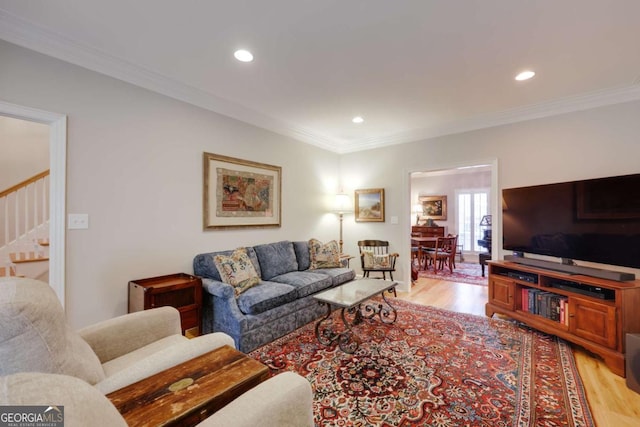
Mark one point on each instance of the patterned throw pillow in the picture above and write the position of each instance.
(373, 261)
(237, 270)
(324, 255)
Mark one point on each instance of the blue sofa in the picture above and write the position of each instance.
(281, 303)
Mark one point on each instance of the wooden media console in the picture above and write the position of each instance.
(591, 312)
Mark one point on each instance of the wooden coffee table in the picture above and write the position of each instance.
(191, 391)
(350, 297)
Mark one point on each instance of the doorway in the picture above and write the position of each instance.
(24, 194)
(57, 186)
(470, 193)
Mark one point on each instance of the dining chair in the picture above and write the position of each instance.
(443, 253)
(415, 249)
(457, 250)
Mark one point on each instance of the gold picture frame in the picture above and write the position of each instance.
(433, 207)
(240, 193)
(369, 205)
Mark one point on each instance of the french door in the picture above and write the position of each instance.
(471, 207)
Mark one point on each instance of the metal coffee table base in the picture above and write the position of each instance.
(347, 340)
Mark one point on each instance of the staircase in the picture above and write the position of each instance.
(24, 228)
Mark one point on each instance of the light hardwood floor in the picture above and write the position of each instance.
(612, 403)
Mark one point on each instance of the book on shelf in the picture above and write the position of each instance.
(546, 304)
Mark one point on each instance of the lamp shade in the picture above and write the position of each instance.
(342, 203)
(486, 221)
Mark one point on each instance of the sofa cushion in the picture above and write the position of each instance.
(338, 275)
(276, 259)
(204, 266)
(302, 255)
(325, 255)
(237, 270)
(33, 321)
(305, 282)
(265, 296)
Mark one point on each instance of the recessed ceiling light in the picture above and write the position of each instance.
(357, 119)
(525, 75)
(243, 55)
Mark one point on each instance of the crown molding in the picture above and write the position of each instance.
(555, 107)
(23, 33)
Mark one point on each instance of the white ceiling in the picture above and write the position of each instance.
(412, 68)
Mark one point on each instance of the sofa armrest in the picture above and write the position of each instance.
(83, 404)
(227, 298)
(285, 400)
(168, 358)
(218, 289)
(121, 335)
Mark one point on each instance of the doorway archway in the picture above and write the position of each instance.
(495, 207)
(58, 171)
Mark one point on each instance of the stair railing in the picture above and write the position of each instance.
(24, 217)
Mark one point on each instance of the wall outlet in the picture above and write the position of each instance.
(78, 221)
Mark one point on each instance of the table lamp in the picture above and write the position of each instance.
(417, 209)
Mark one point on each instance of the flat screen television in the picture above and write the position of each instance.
(596, 220)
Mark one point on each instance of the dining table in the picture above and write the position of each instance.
(423, 242)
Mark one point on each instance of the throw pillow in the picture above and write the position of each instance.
(324, 255)
(237, 270)
(373, 261)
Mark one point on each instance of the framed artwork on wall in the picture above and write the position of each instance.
(240, 193)
(369, 205)
(434, 207)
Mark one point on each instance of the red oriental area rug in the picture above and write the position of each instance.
(465, 272)
(434, 367)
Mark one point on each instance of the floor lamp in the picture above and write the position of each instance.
(342, 206)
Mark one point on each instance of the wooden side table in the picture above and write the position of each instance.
(182, 291)
(191, 391)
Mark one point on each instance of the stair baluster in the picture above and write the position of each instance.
(25, 230)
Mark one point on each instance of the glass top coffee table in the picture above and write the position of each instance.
(350, 298)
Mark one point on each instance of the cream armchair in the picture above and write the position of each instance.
(282, 401)
(137, 345)
(35, 337)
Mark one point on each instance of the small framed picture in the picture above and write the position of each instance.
(369, 205)
(434, 207)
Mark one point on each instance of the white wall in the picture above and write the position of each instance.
(587, 144)
(135, 166)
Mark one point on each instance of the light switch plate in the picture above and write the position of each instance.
(78, 221)
(394, 220)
